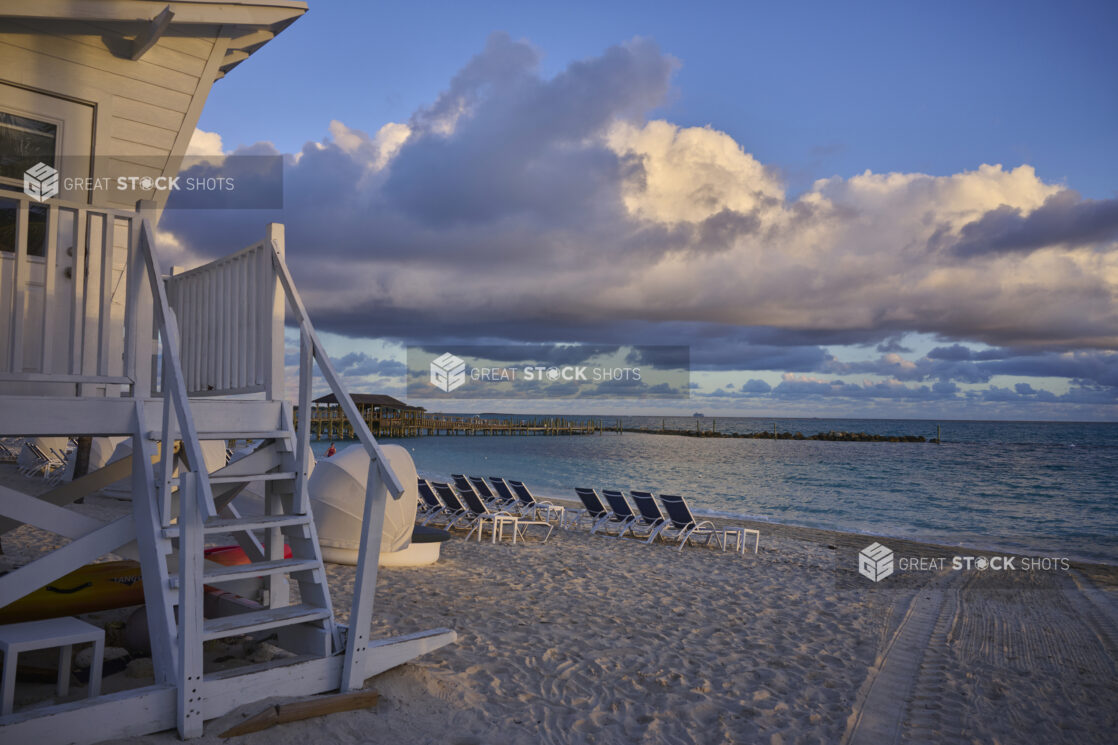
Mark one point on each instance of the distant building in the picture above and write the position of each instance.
(370, 402)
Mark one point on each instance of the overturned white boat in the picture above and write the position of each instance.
(337, 492)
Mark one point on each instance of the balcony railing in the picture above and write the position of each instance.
(67, 287)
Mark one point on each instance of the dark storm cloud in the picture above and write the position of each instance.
(1064, 219)
(518, 144)
(755, 386)
(359, 363)
(964, 365)
(520, 355)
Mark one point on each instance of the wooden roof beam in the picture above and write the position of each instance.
(146, 39)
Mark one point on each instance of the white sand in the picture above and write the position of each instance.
(586, 639)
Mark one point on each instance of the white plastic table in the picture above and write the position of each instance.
(739, 536)
(499, 523)
(52, 632)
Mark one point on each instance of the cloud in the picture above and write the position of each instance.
(1064, 219)
(691, 175)
(893, 345)
(359, 364)
(755, 386)
(205, 144)
(962, 364)
(518, 207)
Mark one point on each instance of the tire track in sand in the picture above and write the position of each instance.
(882, 701)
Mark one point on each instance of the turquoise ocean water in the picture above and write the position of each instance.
(1038, 487)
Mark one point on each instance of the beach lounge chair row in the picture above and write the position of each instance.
(510, 495)
(9, 451)
(458, 507)
(675, 522)
(35, 462)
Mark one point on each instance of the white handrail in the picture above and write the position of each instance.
(379, 480)
(360, 428)
(174, 386)
(61, 328)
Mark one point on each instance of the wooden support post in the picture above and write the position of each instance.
(274, 383)
(22, 286)
(190, 686)
(364, 589)
(139, 359)
(153, 567)
(303, 456)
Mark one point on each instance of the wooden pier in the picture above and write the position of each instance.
(329, 422)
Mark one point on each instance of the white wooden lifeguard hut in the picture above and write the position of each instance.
(96, 340)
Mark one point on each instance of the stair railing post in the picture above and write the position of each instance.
(273, 380)
(190, 687)
(153, 567)
(364, 588)
(175, 389)
(138, 358)
(303, 426)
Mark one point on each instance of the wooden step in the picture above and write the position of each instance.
(273, 476)
(241, 524)
(255, 569)
(245, 478)
(248, 623)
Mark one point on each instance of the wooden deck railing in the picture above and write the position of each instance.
(231, 329)
(65, 290)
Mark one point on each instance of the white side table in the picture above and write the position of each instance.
(740, 536)
(53, 632)
(499, 523)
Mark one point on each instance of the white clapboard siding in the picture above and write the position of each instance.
(145, 112)
(96, 56)
(141, 133)
(58, 72)
(94, 34)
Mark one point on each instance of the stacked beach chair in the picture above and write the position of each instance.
(474, 504)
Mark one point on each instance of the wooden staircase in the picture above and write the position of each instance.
(173, 394)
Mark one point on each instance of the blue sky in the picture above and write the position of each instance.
(685, 144)
(816, 89)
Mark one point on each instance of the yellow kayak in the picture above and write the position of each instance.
(94, 587)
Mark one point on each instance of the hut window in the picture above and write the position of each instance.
(36, 228)
(8, 226)
(25, 142)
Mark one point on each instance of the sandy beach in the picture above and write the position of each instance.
(596, 640)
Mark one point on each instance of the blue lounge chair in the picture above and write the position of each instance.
(482, 488)
(505, 498)
(455, 511)
(429, 507)
(529, 505)
(651, 519)
(461, 483)
(621, 514)
(686, 527)
(592, 508)
(482, 514)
